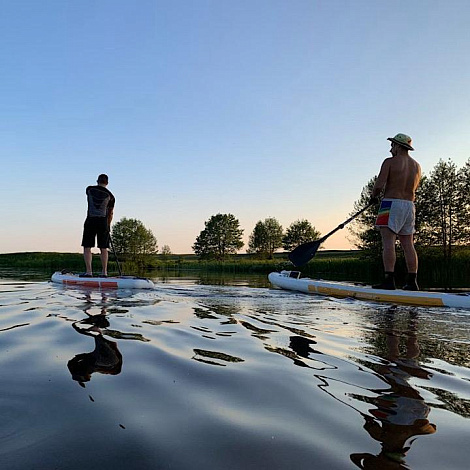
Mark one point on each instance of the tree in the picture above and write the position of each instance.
(362, 228)
(464, 183)
(266, 237)
(444, 207)
(132, 239)
(298, 233)
(165, 252)
(222, 236)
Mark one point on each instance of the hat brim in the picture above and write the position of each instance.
(409, 147)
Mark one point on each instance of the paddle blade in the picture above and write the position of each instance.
(304, 253)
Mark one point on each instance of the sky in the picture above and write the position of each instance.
(258, 108)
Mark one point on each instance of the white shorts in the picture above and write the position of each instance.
(398, 215)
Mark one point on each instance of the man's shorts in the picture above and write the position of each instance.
(398, 215)
(95, 227)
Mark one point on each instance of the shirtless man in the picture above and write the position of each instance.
(399, 176)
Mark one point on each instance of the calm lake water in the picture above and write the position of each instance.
(226, 373)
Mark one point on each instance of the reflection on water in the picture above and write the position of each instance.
(400, 412)
(226, 375)
(217, 358)
(105, 358)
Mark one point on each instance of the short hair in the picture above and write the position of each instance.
(103, 179)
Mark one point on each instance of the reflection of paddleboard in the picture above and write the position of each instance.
(291, 280)
(118, 282)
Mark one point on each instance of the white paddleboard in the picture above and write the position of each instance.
(291, 280)
(114, 282)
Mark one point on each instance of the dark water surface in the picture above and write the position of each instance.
(228, 374)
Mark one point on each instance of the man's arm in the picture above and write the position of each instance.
(110, 216)
(382, 178)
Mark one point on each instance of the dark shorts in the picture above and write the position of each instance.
(95, 227)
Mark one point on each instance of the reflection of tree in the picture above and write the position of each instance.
(202, 355)
(257, 332)
(301, 348)
(400, 412)
(451, 402)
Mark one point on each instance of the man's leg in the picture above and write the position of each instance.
(103, 244)
(88, 256)
(411, 258)
(388, 257)
(104, 261)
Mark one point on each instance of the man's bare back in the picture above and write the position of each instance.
(399, 175)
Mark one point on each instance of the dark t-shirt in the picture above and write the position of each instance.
(100, 200)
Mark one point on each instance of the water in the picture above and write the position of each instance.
(225, 373)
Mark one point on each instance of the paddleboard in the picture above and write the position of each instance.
(291, 280)
(117, 282)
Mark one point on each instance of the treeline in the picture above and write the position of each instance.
(221, 238)
(239, 263)
(41, 260)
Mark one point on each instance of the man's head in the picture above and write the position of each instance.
(103, 179)
(403, 140)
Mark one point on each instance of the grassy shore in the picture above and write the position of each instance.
(347, 265)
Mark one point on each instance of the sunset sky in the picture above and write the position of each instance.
(259, 108)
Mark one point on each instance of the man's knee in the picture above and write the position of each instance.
(388, 237)
(406, 241)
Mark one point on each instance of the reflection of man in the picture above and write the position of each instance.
(400, 413)
(105, 358)
(393, 438)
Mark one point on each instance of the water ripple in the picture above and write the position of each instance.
(199, 376)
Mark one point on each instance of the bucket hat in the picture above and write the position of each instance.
(403, 140)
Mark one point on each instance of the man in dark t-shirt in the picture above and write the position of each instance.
(97, 224)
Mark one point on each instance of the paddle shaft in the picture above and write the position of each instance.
(340, 226)
(305, 252)
(114, 251)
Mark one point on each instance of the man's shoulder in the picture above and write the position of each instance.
(413, 162)
(99, 189)
(111, 196)
(387, 161)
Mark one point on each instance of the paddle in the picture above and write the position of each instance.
(305, 252)
(115, 255)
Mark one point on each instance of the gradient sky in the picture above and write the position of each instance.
(259, 108)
